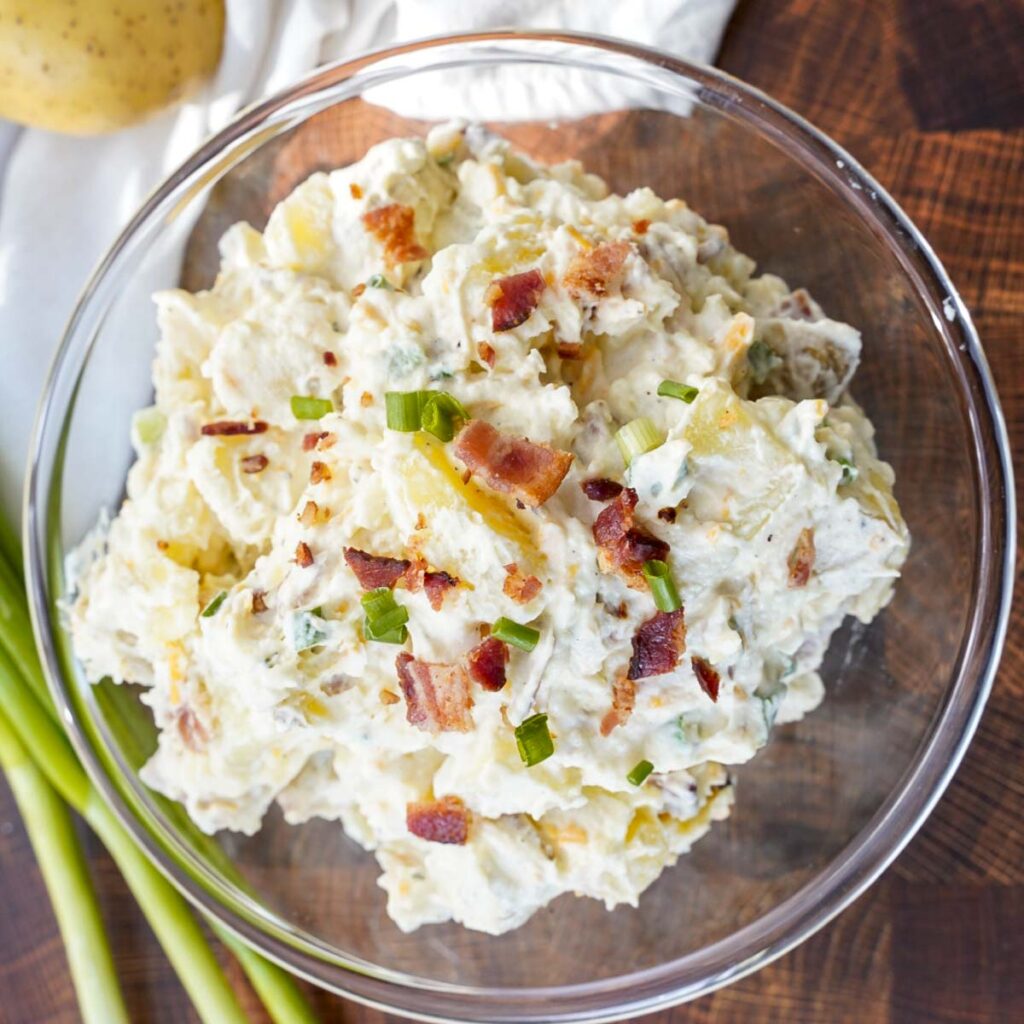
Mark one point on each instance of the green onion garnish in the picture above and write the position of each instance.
(211, 609)
(385, 617)
(673, 389)
(513, 633)
(534, 740)
(405, 409)
(850, 471)
(149, 424)
(762, 359)
(659, 579)
(306, 631)
(636, 437)
(305, 407)
(640, 772)
(439, 414)
(378, 281)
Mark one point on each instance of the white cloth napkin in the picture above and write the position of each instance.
(64, 199)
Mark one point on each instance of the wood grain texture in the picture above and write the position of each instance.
(929, 95)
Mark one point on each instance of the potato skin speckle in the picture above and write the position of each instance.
(107, 67)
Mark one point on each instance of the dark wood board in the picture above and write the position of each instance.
(929, 95)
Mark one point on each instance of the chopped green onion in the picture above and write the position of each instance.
(404, 409)
(379, 281)
(640, 772)
(378, 602)
(439, 414)
(850, 471)
(636, 437)
(513, 633)
(534, 740)
(663, 589)
(394, 636)
(149, 425)
(673, 389)
(305, 407)
(762, 359)
(306, 631)
(211, 609)
(387, 623)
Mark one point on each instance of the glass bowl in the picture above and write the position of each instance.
(832, 799)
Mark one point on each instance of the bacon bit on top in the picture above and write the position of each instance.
(597, 270)
(623, 546)
(309, 441)
(708, 677)
(230, 428)
(192, 732)
(374, 571)
(255, 463)
(439, 821)
(623, 701)
(354, 190)
(796, 306)
(487, 663)
(486, 353)
(359, 289)
(530, 472)
(641, 226)
(658, 644)
(330, 359)
(569, 350)
(308, 514)
(801, 559)
(259, 601)
(303, 556)
(389, 697)
(437, 584)
(519, 587)
(394, 226)
(437, 697)
(512, 299)
(319, 472)
(667, 514)
(601, 489)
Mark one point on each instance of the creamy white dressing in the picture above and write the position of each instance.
(292, 704)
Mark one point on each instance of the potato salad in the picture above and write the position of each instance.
(491, 514)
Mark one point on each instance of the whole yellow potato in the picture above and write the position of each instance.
(89, 66)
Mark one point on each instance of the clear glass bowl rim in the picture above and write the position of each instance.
(878, 843)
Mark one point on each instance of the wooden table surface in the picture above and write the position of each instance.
(929, 95)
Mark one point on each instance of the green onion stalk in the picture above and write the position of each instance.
(28, 722)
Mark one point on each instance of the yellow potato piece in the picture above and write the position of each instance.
(98, 65)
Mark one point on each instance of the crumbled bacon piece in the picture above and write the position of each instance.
(437, 697)
(623, 701)
(303, 556)
(569, 350)
(330, 359)
(658, 644)
(600, 489)
(230, 428)
(708, 677)
(667, 514)
(319, 472)
(641, 226)
(374, 571)
(394, 226)
(623, 546)
(259, 601)
(486, 353)
(310, 512)
(192, 731)
(512, 299)
(439, 821)
(255, 463)
(389, 697)
(487, 663)
(309, 441)
(796, 306)
(520, 587)
(530, 472)
(359, 289)
(597, 270)
(437, 583)
(801, 559)
(354, 190)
